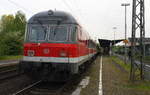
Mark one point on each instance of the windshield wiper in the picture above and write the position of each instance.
(58, 23)
(45, 29)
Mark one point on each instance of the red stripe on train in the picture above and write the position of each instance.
(57, 49)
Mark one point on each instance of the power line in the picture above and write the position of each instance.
(76, 5)
(68, 6)
(78, 9)
(66, 3)
(16, 4)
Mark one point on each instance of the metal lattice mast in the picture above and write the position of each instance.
(138, 26)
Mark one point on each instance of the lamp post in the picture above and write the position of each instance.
(125, 48)
(114, 28)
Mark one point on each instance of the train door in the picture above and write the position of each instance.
(74, 58)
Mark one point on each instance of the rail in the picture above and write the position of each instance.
(8, 74)
(26, 88)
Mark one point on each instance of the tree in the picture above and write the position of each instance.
(12, 29)
(7, 23)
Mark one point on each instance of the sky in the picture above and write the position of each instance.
(98, 17)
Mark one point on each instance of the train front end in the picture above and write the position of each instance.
(50, 45)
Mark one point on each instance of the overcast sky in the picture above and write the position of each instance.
(98, 17)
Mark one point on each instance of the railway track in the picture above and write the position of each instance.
(8, 74)
(41, 88)
(52, 88)
(26, 88)
(8, 71)
(49, 88)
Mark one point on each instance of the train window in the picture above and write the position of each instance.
(58, 34)
(26, 33)
(79, 34)
(73, 34)
(37, 34)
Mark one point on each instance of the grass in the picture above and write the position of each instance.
(10, 57)
(121, 63)
(140, 85)
(147, 58)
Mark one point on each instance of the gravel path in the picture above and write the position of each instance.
(93, 72)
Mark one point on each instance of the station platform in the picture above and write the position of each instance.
(113, 80)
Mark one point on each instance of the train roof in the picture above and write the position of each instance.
(53, 17)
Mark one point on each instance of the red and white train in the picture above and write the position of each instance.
(54, 40)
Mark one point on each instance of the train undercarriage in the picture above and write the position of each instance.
(52, 71)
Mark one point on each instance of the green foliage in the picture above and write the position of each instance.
(10, 57)
(121, 63)
(137, 85)
(142, 85)
(147, 59)
(12, 29)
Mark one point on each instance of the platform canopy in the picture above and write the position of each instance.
(106, 43)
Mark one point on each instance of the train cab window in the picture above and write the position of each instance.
(37, 34)
(58, 34)
(79, 34)
(73, 34)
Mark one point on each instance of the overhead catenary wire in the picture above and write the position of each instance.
(70, 8)
(17, 5)
(78, 9)
(64, 2)
(74, 2)
(29, 11)
(79, 12)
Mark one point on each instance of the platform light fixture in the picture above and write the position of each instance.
(125, 48)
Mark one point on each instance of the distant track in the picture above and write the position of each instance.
(8, 74)
(7, 62)
(8, 71)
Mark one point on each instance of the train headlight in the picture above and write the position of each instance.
(31, 53)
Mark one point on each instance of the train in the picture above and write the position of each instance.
(55, 42)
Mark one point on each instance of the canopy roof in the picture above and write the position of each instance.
(106, 43)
